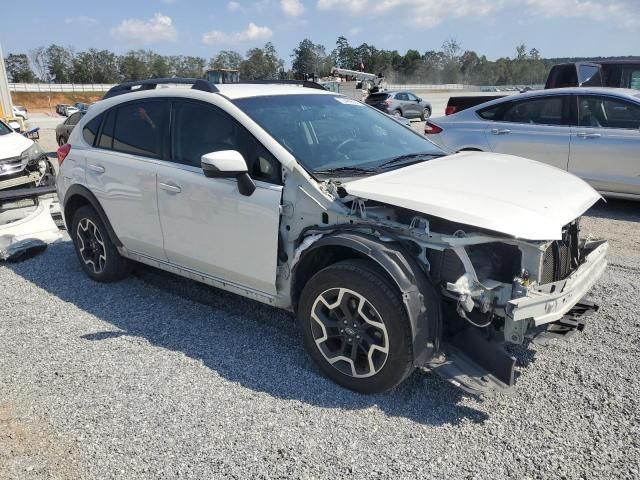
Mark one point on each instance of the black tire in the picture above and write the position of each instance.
(98, 256)
(61, 140)
(397, 113)
(368, 281)
(426, 113)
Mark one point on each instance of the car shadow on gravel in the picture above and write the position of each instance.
(242, 340)
(625, 210)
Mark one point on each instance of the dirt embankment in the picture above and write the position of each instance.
(45, 102)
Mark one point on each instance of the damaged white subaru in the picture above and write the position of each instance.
(392, 254)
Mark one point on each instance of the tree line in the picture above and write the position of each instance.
(450, 64)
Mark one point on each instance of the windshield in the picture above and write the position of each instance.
(4, 129)
(327, 132)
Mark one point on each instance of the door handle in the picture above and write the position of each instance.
(170, 187)
(588, 135)
(500, 131)
(96, 168)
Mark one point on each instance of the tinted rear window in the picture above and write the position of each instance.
(91, 129)
(377, 97)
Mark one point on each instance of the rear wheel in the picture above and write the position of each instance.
(355, 327)
(98, 256)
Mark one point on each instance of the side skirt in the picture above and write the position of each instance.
(203, 278)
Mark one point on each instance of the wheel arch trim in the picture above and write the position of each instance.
(405, 272)
(76, 191)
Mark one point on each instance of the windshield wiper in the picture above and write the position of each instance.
(410, 158)
(345, 170)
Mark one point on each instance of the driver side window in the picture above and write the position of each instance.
(198, 128)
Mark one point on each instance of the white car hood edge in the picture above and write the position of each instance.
(507, 194)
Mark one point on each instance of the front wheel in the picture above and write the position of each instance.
(355, 327)
(397, 113)
(426, 113)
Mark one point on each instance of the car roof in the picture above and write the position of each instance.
(244, 90)
(626, 93)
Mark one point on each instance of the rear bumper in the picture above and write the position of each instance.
(551, 302)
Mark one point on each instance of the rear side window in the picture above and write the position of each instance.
(541, 111)
(74, 119)
(90, 130)
(377, 97)
(491, 113)
(137, 128)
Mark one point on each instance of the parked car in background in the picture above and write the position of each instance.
(82, 107)
(591, 132)
(64, 129)
(401, 104)
(70, 110)
(318, 204)
(61, 107)
(20, 111)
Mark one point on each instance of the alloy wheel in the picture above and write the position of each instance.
(91, 245)
(349, 332)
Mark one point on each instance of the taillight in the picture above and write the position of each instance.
(450, 110)
(63, 151)
(431, 128)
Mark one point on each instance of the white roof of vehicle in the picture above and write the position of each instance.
(244, 90)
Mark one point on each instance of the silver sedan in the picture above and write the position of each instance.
(591, 132)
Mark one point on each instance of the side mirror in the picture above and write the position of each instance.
(228, 164)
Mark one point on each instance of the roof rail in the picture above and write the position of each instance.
(152, 83)
(302, 83)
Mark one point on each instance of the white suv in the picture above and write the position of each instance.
(391, 254)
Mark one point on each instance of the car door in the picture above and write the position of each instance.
(413, 105)
(209, 226)
(605, 146)
(121, 172)
(536, 128)
(402, 101)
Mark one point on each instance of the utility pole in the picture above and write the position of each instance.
(6, 107)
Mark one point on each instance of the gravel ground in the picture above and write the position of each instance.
(159, 377)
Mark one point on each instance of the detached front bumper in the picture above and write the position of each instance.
(551, 302)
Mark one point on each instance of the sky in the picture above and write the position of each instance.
(557, 28)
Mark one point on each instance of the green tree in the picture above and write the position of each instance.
(226, 59)
(309, 58)
(59, 63)
(261, 64)
(133, 65)
(18, 68)
(344, 54)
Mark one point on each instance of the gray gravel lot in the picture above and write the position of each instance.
(160, 377)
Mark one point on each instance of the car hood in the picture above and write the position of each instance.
(13, 144)
(507, 194)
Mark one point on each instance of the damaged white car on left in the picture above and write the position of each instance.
(22, 162)
(392, 254)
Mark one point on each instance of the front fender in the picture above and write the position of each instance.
(421, 300)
